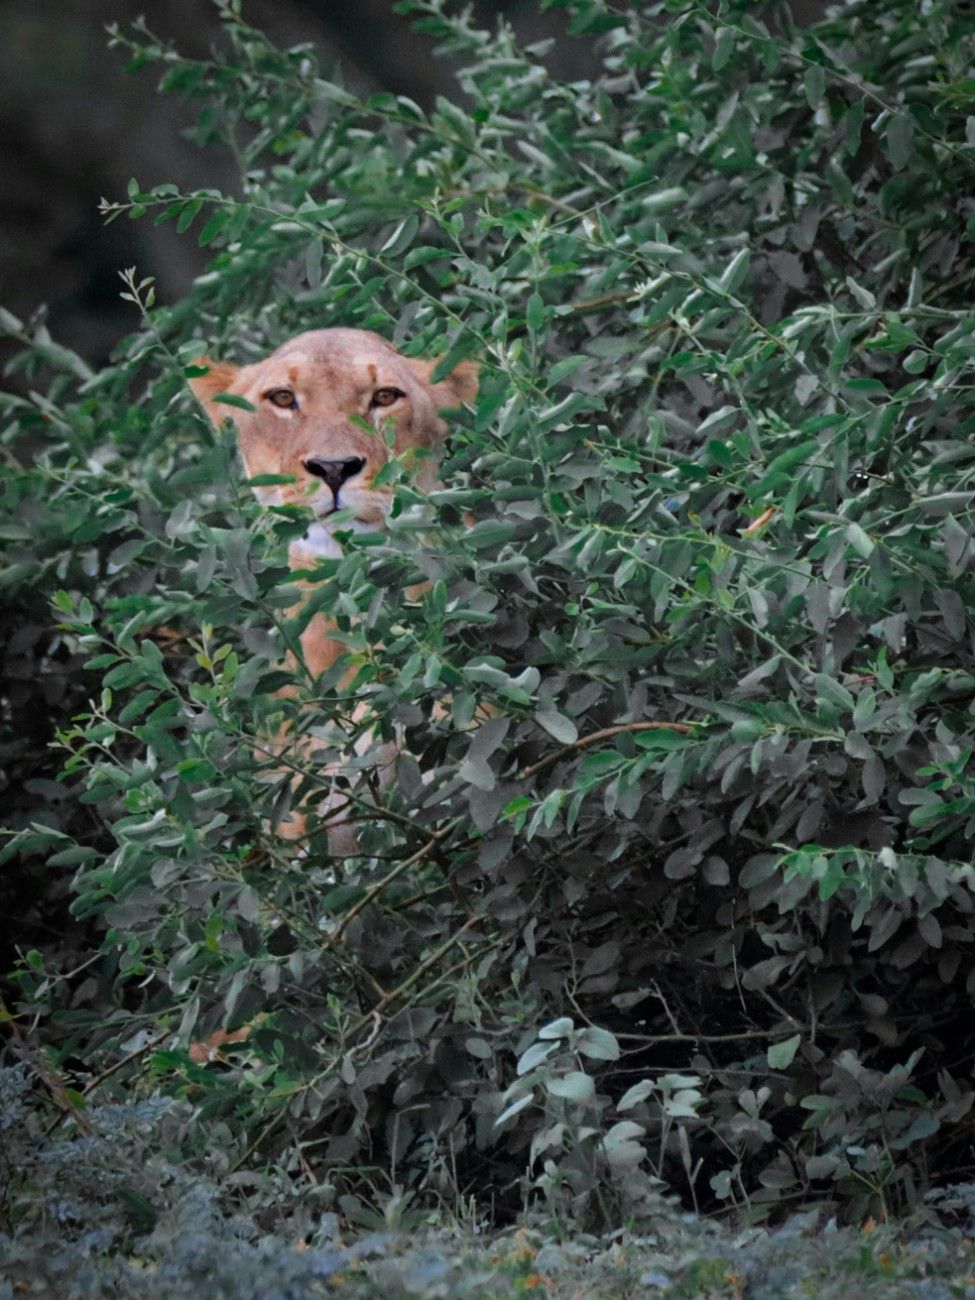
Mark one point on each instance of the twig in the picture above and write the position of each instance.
(464, 963)
(604, 300)
(47, 1074)
(421, 970)
(388, 879)
(148, 1046)
(667, 1011)
(726, 1038)
(373, 1016)
(683, 728)
(702, 1038)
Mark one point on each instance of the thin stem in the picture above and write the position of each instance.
(150, 1045)
(606, 733)
(390, 876)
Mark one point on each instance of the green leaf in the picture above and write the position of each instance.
(815, 85)
(900, 139)
(514, 1109)
(536, 1054)
(9, 323)
(564, 368)
(249, 904)
(477, 772)
(188, 215)
(557, 725)
(139, 705)
(465, 346)
(401, 238)
(828, 688)
(232, 399)
(270, 480)
(724, 47)
(783, 463)
(213, 227)
(853, 125)
(734, 273)
(635, 1094)
(863, 296)
(781, 1055)
(535, 313)
(859, 540)
(556, 1028)
(565, 410)
(72, 857)
(661, 738)
(598, 1044)
(574, 1086)
(423, 256)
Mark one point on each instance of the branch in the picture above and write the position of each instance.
(388, 879)
(730, 1038)
(683, 728)
(416, 975)
(703, 1038)
(36, 1061)
(604, 300)
(148, 1046)
(373, 1018)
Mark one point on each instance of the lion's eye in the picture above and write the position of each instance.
(386, 396)
(283, 398)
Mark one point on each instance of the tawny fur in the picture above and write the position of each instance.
(334, 376)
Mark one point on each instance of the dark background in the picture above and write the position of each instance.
(75, 127)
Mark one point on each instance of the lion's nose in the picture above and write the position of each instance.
(334, 472)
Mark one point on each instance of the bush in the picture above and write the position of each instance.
(674, 885)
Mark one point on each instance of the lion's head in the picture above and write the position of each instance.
(324, 405)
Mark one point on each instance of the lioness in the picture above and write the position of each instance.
(305, 397)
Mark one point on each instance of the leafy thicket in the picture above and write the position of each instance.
(674, 882)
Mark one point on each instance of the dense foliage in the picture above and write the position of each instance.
(674, 886)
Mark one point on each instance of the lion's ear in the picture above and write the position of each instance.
(459, 386)
(220, 377)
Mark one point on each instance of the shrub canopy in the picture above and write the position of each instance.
(675, 879)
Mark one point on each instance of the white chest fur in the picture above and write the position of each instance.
(320, 543)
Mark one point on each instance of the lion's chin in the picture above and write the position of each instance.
(319, 542)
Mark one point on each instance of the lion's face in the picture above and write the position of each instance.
(327, 404)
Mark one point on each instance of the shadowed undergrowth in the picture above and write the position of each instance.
(672, 892)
